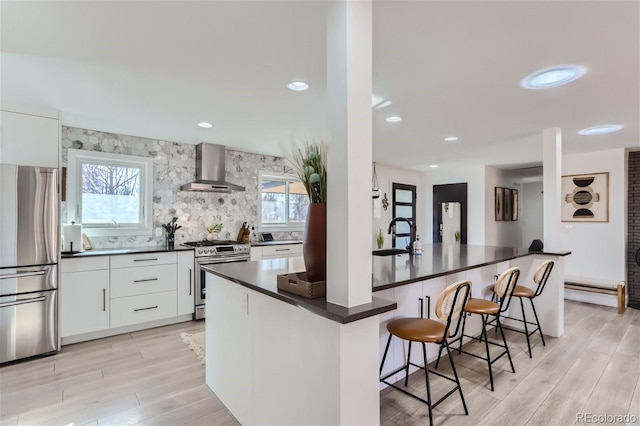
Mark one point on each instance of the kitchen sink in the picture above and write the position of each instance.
(389, 252)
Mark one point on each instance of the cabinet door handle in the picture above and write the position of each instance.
(21, 275)
(145, 309)
(145, 280)
(104, 300)
(145, 260)
(190, 281)
(283, 249)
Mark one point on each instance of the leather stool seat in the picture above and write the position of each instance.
(522, 291)
(418, 329)
(482, 306)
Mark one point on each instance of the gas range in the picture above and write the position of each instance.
(220, 249)
(208, 253)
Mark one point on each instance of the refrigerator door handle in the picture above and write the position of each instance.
(22, 301)
(21, 275)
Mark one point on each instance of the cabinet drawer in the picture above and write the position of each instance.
(148, 279)
(93, 263)
(143, 259)
(285, 250)
(143, 308)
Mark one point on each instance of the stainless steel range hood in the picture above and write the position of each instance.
(210, 171)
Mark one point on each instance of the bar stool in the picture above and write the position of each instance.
(449, 307)
(504, 287)
(540, 277)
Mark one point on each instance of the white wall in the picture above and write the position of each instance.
(474, 176)
(531, 209)
(386, 177)
(598, 249)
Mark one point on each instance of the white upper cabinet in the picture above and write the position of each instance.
(29, 139)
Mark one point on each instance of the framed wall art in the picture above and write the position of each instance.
(514, 204)
(506, 204)
(498, 203)
(585, 198)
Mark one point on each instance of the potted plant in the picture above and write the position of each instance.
(211, 231)
(171, 229)
(309, 163)
(380, 238)
(456, 235)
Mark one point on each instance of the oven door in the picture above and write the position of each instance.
(201, 290)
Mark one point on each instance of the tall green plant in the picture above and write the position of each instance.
(309, 161)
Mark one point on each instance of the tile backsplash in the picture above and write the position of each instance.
(174, 165)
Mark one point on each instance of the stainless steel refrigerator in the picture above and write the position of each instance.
(29, 237)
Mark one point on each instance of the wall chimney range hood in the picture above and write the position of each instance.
(210, 171)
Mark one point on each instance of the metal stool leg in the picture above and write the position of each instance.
(486, 345)
(386, 349)
(464, 322)
(439, 354)
(426, 376)
(455, 373)
(406, 373)
(537, 321)
(526, 330)
(505, 344)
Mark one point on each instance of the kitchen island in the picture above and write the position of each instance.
(274, 357)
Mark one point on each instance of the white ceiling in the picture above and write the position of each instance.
(155, 69)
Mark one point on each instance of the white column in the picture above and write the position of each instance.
(552, 197)
(349, 216)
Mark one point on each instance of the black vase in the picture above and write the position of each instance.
(170, 240)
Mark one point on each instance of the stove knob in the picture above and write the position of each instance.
(199, 251)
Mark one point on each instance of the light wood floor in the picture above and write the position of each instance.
(151, 377)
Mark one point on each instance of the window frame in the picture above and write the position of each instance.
(288, 177)
(75, 159)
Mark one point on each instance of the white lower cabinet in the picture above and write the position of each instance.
(276, 251)
(186, 283)
(99, 294)
(143, 308)
(84, 296)
(84, 302)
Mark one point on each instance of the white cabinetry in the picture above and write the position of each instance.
(84, 296)
(276, 251)
(143, 288)
(106, 295)
(186, 283)
(28, 138)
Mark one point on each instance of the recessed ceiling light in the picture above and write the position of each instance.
(393, 119)
(205, 125)
(298, 86)
(433, 166)
(451, 138)
(553, 76)
(600, 130)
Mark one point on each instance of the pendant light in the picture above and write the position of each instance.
(375, 193)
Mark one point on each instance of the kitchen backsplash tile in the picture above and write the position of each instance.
(174, 165)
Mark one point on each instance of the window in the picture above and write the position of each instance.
(283, 202)
(110, 194)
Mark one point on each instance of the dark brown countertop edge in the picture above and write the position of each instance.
(123, 251)
(320, 306)
(462, 269)
(274, 243)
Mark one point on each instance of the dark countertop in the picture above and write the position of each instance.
(128, 250)
(438, 260)
(261, 276)
(274, 243)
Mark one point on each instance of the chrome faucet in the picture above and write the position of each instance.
(412, 230)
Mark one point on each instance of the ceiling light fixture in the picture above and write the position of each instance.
(205, 125)
(434, 166)
(600, 130)
(393, 119)
(298, 86)
(553, 76)
(451, 138)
